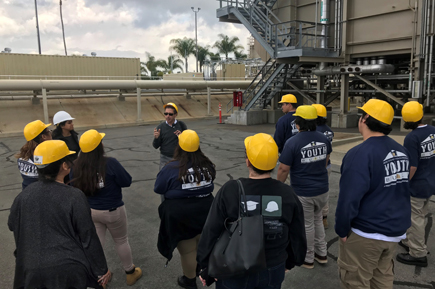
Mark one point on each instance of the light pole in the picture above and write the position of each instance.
(196, 35)
(37, 27)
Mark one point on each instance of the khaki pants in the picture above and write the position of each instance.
(314, 229)
(116, 223)
(187, 249)
(365, 263)
(415, 235)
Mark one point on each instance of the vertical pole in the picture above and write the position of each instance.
(139, 105)
(220, 113)
(45, 104)
(63, 28)
(344, 94)
(37, 27)
(196, 40)
(208, 101)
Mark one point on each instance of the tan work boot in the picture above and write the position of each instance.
(133, 277)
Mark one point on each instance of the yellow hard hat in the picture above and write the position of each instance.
(321, 110)
(262, 151)
(412, 111)
(307, 112)
(189, 141)
(379, 110)
(288, 98)
(34, 128)
(50, 151)
(90, 140)
(171, 104)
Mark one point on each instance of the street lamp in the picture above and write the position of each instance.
(196, 35)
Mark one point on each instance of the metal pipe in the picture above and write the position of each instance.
(45, 104)
(335, 25)
(422, 29)
(315, 28)
(339, 24)
(430, 54)
(139, 105)
(351, 69)
(7, 85)
(324, 19)
(426, 47)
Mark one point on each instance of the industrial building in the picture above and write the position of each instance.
(322, 50)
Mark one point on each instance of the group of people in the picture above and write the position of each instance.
(72, 195)
(383, 200)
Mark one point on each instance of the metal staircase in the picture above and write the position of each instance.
(269, 81)
(279, 39)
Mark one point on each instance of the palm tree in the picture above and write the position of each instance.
(173, 63)
(203, 51)
(183, 47)
(227, 45)
(151, 65)
(240, 55)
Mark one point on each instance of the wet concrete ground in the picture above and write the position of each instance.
(223, 144)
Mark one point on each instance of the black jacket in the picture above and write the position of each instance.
(284, 228)
(75, 146)
(181, 219)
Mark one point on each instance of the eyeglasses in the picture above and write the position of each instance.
(167, 113)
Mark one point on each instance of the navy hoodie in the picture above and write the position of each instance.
(374, 189)
(285, 128)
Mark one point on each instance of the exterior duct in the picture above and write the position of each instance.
(350, 69)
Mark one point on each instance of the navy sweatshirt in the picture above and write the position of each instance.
(167, 183)
(285, 128)
(374, 189)
(421, 146)
(306, 154)
(28, 171)
(110, 194)
(327, 131)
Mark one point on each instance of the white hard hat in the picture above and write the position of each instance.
(61, 116)
(272, 207)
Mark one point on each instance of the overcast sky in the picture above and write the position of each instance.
(114, 28)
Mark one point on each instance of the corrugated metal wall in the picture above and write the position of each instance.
(31, 66)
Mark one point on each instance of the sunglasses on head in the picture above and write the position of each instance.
(167, 113)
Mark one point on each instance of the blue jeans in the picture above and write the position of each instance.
(270, 278)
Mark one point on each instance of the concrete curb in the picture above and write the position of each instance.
(346, 141)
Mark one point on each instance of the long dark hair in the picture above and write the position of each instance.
(197, 161)
(49, 173)
(57, 132)
(26, 151)
(90, 171)
(305, 125)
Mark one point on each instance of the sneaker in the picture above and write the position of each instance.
(325, 222)
(133, 277)
(308, 265)
(407, 259)
(406, 247)
(187, 283)
(320, 259)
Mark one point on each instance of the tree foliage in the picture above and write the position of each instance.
(203, 51)
(150, 66)
(174, 62)
(240, 55)
(227, 45)
(183, 47)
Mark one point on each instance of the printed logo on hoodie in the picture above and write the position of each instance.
(396, 165)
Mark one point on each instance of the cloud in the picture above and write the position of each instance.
(111, 28)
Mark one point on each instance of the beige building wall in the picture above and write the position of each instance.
(231, 72)
(184, 76)
(31, 66)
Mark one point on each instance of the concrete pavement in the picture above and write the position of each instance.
(223, 144)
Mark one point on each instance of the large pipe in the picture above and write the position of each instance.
(430, 54)
(9, 85)
(353, 69)
(324, 19)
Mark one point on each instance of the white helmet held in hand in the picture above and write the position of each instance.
(61, 116)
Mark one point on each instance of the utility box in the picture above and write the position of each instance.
(417, 91)
(238, 98)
